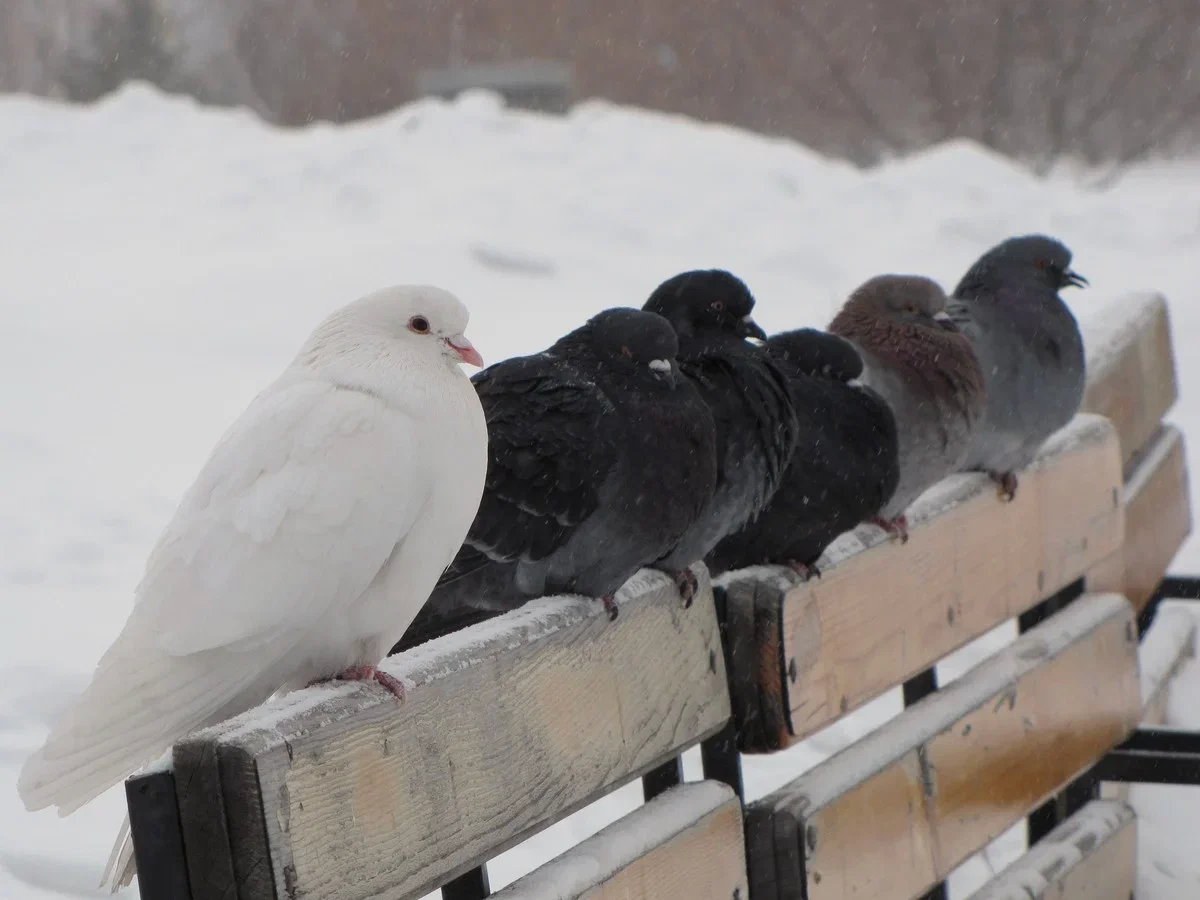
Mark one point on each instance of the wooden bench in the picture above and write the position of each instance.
(339, 792)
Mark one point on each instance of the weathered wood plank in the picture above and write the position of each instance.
(895, 812)
(1158, 518)
(1170, 642)
(882, 611)
(1131, 368)
(507, 726)
(686, 844)
(1091, 856)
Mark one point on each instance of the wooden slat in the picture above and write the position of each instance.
(340, 792)
(1091, 856)
(1158, 518)
(883, 611)
(1131, 368)
(895, 812)
(1170, 642)
(685, 844)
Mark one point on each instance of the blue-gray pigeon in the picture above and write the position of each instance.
(1029, 347)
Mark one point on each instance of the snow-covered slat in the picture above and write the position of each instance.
(883, 611)
(1091, 856)
(1158, 518)
(894, 813)
(1131, 368)
(685, 844)
(340, 792)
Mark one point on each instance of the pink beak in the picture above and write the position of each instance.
(465, 349)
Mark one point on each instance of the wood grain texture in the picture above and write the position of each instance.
(882, 611)
(507, 727)
(1091, 856)
(686, 844)
(895, 812)
(1131, 368)
(1158, 518)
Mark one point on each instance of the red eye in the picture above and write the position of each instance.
(419, 325)
(717, 305)
(1042, 264)
(627, 353)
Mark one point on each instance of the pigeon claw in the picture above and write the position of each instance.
(897, 527)
(369, 673)
(804, 570)
(1006, 483)
(685, 581)
(610, 607)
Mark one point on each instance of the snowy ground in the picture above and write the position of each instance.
(161, 263)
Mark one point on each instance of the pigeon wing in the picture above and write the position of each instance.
(551, 449)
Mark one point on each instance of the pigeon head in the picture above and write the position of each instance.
(816, 353)
(1033, 257)
(630, 342)
(706, 302)
(428, 323)
(905, 300)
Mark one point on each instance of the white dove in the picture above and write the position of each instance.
(308, 543)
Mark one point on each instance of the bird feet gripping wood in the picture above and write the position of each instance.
(685, 581)
(1006, 483)
(610, 607)
(805, 571)
(897, 527)
(368, 673)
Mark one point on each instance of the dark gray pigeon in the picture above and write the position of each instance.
(601, 456)
(749, 397)
(1029, 347)
(924, 368)
(845, 466)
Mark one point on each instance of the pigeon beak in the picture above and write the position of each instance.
(747, 327)
(944, 321)
(465, 350)
(663, 369)
(1074, 279)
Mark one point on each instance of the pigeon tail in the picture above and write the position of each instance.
(140, 702)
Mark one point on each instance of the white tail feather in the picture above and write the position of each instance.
(138, 704)
(121, 867)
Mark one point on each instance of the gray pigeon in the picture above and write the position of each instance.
(601, 456)
(1029, 347)
(924, 368)
(750, 399)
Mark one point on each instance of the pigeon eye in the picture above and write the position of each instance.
(627, 353)
(418, 325)
(717, 305)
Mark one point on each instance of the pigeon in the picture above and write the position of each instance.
(309, 540)
(748, 394)
(845, 466)
(601, 456)
(926, 371)
(1029, 347)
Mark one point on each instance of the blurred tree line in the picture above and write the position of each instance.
(1108, 81)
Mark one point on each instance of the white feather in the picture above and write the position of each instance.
(309, 541)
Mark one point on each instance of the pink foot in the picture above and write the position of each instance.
(897, 527)
(1006, 483)
(368, 673)
(804, 571)
(685, 580)
(610, 607)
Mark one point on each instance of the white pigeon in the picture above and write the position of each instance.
(308, 543)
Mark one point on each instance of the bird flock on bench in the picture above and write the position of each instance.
(373, 494)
